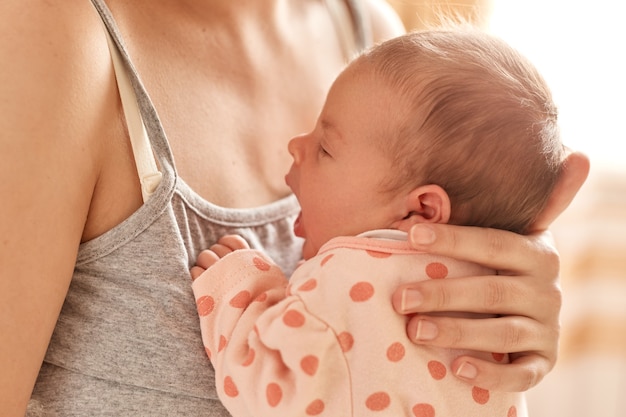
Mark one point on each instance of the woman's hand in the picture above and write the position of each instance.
(525, 294)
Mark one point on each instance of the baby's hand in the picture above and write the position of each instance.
(223, 247)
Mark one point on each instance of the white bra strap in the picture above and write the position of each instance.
(149, 174)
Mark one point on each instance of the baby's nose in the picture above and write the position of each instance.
(295, 148)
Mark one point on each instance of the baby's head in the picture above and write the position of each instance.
(476, 118)
(434, 126)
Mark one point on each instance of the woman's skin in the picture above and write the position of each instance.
(68, 175)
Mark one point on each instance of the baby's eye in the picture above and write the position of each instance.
(323, 151)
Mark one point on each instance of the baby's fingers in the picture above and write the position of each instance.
(205, 260)
(196, 271)
(234, 242)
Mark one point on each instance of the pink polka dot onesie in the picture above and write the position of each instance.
(328, 342)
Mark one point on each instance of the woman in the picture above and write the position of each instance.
(231, 82)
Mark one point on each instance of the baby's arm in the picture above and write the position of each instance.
(208, 257)
(270, 354)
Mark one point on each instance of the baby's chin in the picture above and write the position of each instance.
(308, 250)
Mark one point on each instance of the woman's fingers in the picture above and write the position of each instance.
(499, 334)
(519, 375)
(525, 294)
(575, 172)
(504, 251)
(498, 294)
(536, 344)
(526, 284)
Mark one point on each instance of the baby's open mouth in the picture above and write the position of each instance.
(298, 227)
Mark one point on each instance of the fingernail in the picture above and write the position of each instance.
(422, 234)
(426, 330)
(411, 299)
(467, 371)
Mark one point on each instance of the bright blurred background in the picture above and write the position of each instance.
(580, 48)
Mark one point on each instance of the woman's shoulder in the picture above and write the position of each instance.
(48, 27)
(59, 105)
(56, 64)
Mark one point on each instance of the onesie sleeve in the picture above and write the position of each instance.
(271, 355)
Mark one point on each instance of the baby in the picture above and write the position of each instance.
(441, 126)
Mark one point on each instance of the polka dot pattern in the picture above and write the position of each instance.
(249, 358)
(378, 401)
(261, 264)
(241, 300)
(315, 408)
(480, 395)
(326, 259)
(395, 352)
(230, 388)
(437, 370)
(205, 305)
(361, 291)
(309, 285)
(423, 410)
(346, 341)
(436, 270)
(377, 254)
(222, 343)
(293, 318)
(310, 365)
(274, 394)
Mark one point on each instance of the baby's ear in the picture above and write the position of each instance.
(425, 204)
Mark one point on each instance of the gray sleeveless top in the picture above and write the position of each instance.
(127, 341)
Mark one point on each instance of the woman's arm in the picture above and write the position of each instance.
(48, 170)
(526, 294)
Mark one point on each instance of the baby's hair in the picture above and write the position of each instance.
(477, 119)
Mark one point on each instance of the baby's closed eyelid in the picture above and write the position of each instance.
(324, 146)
